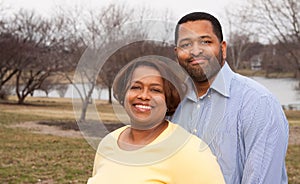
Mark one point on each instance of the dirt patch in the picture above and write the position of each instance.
(69, 128)
(46, 129)
(94, 129)
(294, 138)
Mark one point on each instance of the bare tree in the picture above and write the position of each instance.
(61, 89)
(8, 48)
(37, 53)
(99, 31)
(239, 37)
(237, 48)
(276, 22)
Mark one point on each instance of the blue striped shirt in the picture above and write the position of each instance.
(243, 124)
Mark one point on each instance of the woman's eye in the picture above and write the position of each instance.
(135, 87)
(157, 90)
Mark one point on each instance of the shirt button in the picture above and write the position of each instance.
(208, 96)
(195, 131)
(198, 106)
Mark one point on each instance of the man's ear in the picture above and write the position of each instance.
(176, 52)
(224, 49)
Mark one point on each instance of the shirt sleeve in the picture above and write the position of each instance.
(265, 135)
(96, 163)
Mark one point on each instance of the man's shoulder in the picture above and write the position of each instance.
(248, 85)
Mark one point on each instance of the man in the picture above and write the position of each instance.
(240, 120)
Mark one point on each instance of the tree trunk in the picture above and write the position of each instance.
(109, 95)
(21, 100)
(84, 110)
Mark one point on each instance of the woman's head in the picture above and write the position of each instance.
(150, 85)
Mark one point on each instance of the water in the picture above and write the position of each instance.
(283, 89)
(101, 94)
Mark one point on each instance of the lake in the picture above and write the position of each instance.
(284, 89)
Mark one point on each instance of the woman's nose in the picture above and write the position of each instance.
(144, 95)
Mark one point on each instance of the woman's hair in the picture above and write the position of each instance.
(172, 74)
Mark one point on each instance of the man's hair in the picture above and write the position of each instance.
(217, 28)
(174, 86)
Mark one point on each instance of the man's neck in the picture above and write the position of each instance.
(203, 86)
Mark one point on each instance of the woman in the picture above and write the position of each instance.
(152, 149)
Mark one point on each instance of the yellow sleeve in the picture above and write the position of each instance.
(97, 160)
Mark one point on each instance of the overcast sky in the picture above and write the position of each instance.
(179, 8)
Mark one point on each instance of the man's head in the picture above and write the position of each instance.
(217, 28)
(200, 48)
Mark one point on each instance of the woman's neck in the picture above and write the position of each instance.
(133, 139)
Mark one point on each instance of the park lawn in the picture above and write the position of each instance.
(31, 158)
(293, 164)
(61, 108)
(27, 157)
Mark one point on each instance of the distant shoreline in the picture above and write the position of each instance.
(263, 73)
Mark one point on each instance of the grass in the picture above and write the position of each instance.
(26, 157)
(293, 164)
(32, 158)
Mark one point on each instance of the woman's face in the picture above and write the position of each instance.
(145, 100)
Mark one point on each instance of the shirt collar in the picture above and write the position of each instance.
(221, 83)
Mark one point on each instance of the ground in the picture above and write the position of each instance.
(70, 129)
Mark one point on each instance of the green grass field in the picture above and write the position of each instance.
(28, 157)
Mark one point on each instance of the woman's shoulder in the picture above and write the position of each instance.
(111, 138)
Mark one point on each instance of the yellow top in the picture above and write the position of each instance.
(175, 156)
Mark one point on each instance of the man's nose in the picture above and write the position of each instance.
(196, 49)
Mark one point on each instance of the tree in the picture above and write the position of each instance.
(100, 31)
(239, 38)
(61, 89)
(8, 48)
(38, 53)
(276, 22)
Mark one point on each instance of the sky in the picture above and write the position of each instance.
(179, 8)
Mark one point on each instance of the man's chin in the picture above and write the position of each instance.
(200, 79)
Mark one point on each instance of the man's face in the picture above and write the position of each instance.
(199, 51)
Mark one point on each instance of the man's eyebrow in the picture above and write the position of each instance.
(205, 36)
(199, 37)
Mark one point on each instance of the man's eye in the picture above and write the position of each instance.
(186, 45)
(205, 42)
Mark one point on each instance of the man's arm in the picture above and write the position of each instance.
(265, 136)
